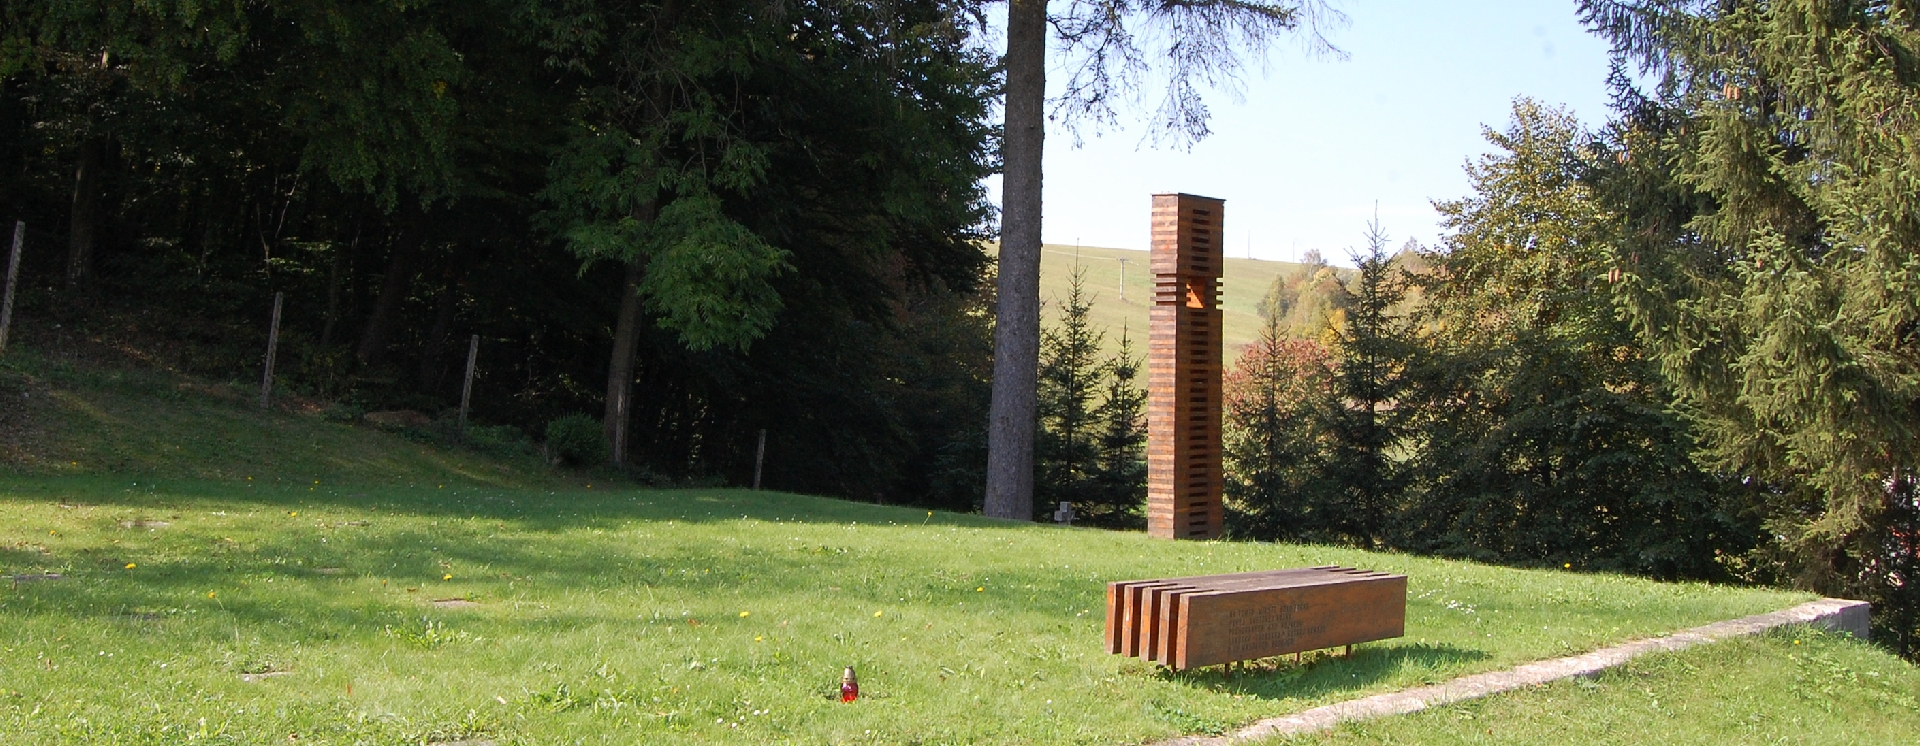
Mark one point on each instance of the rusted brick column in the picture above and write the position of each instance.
(1183, 369)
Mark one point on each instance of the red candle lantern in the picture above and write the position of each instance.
(849, 686)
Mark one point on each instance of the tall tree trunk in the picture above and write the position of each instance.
(1016, 330)
(437, 338)
(85, 214)
(626, 339)
(393, 290)
(337, 272)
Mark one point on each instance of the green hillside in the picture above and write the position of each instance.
(1244, 284)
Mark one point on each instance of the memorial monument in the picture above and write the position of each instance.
(1183, 369)
(1207, 620)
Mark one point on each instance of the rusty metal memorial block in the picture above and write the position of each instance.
(1207, 620)
(1183, 369)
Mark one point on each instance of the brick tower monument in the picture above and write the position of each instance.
(1183, 369)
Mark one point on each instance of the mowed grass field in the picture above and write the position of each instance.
(288, 609)
(1244, 283)
(178, 567)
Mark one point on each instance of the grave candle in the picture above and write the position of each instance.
(849, 686)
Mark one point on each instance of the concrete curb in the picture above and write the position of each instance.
(1832, 614)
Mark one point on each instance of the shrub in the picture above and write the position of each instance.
(576, 440)
(343, 412)
(500, 440)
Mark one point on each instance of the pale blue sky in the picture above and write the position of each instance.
(1314, 144)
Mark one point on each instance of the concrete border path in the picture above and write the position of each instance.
(1832, 614)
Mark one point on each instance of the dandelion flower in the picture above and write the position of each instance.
(211, 593)
(758, 638)
(877, 613)
(1567, 566)
(744, 614)
(981, 589)
(448, 576)
(131, 565)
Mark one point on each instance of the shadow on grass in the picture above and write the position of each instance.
(1320, 674)
(500, 544)
(533, 509)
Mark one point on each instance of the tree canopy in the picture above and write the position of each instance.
(798, 185)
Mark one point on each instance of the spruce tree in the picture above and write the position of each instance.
(1275, 438)
(1066, 447)
(1769, 224)
(1117, 498)
(1374, 346)
(1544, 430)
(1091, 441)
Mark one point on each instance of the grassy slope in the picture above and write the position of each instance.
(58, 417)
(602, 614)
(1244, 284)
(1792, 686)
(609, 615)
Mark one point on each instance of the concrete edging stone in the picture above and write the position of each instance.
(1831, 614)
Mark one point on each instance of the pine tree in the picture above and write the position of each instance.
(1091, 442)
(1544, 434)
(1066, 447)
(1275, 438)
(1117, 498)
(1373, 346)
(1766, 242)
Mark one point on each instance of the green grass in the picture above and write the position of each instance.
(1794, 686)
(233, 576)
(622, 616)
(62, 418)
(1244, 283)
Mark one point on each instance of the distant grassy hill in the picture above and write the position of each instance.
(1245, 283)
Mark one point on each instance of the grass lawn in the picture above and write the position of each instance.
(59, 417)
(232, 576)
(254, 611)
(1792, 686)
